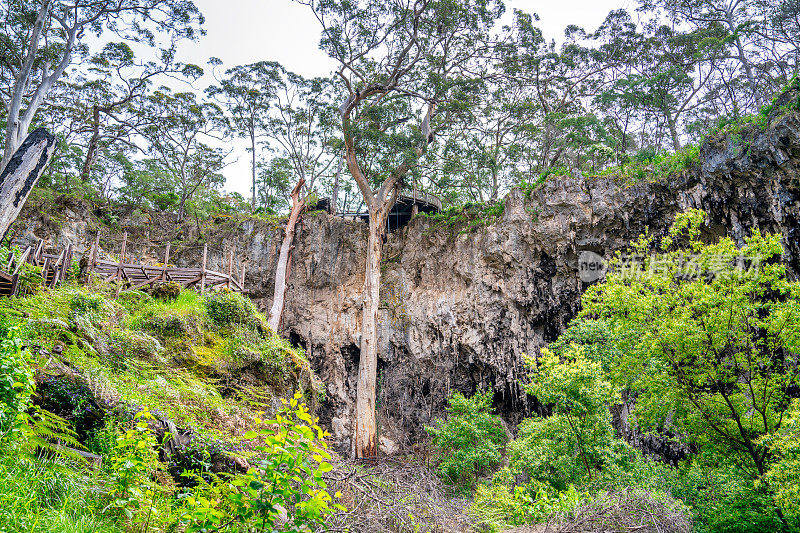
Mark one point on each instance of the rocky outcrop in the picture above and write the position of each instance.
(460, 308)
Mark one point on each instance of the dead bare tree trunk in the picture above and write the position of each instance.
(281, 271)
(23, 170)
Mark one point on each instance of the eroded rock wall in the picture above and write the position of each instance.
(460, 308)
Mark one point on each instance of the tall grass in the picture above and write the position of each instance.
(49, 497)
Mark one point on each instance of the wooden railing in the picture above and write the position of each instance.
(139, 275)
(133, 275)
(54, 267)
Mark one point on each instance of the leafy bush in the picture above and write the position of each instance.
(288, 479)
(227, 308)
(173, 324)
(784, 474)
(708, 329)
(102, 439)
(473, 215)
(133, 462)
(573, 444)
(501, 505)
(470, 441)
(654, 166)
(83, 302)
(723, 500)
(16, 385)
(597, 340)
(132, 299)
(166, 201)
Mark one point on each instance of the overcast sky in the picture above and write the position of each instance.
(246, 31)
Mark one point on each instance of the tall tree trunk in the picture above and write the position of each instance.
(253, 167)
(673, 133)
(365, 440)
(23, 170)
(748, 67)
(335, 193)
(91, 150)
(281, 271)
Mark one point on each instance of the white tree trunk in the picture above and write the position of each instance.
(281, 271)
(365, 441)
(21, 173)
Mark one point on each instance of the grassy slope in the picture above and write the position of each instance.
(206, 363)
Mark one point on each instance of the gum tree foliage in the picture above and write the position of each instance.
(42, 38)
(303, 127)
(746, 26)
(288, 115)
(709, 342)
(179, 140)
(248, 92)
(109, 98)
(409, 69)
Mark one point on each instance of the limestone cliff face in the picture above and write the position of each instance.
(461, 308)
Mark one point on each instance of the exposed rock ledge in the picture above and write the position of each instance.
(461, 309)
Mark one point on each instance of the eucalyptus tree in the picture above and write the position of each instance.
(482, 157)
(560, 81)
(778, 38)
(410, 69)
(41, 38)
(740, 20)
(247, 92)
(111, 95)
(182, 139)
(274, 184)
(665, 79)
(301, 127)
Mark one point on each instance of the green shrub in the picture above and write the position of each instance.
(102, 439)
(166, 201)
(16, 385)
(573, 444)
(83, 302)
(470, 441)
(171, 324)
(501, 505)
(595, 337)
(784, 474)
(228, 308)
(131, 464)
(132, 299)
(289, 477)
(725, 501)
